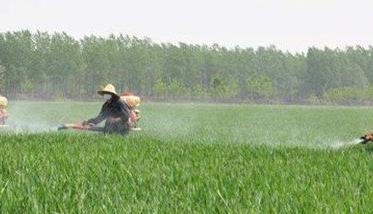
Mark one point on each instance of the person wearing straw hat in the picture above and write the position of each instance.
(3, 112)
(132, 102)
(115, 111)
(134, 118)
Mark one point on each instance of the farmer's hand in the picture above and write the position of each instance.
(86, 123)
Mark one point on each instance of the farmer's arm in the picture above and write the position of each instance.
(101, 116)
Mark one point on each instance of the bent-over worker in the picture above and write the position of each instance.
(115, 111)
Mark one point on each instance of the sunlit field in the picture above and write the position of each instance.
(189, 157)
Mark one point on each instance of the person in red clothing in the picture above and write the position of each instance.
(367, 138)
(3, 116)
(133, 102)
(3, 112)
(134, 118)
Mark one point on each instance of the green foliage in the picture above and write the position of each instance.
(219, 87)
(313, 99)
(369, 93)
(160, 88)
(329, 69)
(53, 64)
(261, 87)
(28, 87)
(199, 91)
(345, 95)
(2, 80)
(176, 89)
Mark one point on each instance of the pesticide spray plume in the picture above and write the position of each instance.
(344, 144)
(31, 126)
(25, 119)
(362, 140)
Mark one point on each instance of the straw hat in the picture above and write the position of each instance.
(3, 101)
(109, 88)
(132, 101)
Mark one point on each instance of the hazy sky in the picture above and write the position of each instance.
(291, 25)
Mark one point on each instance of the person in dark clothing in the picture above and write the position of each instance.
(115, 111)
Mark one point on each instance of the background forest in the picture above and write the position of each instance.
(57, 66)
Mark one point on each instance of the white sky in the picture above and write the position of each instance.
(291, 25)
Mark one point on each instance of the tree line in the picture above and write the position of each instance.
(58, 66)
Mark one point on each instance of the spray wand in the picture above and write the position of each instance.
(366, 138)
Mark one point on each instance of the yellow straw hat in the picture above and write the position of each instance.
(132, 101)
(3, 101)
(109, 88)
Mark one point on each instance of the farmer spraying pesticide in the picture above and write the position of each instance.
(3, 112)
(366, 138)
(115, 111)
